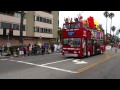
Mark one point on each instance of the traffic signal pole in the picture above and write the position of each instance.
(21, 28)
(8, 45)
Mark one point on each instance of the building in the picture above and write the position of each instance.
(39, 27)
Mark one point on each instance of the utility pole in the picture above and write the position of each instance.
(8, 43)
(21, 28)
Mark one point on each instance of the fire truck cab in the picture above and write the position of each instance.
(79, 40)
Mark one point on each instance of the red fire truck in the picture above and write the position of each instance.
(79, 40)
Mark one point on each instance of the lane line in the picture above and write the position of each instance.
(58, 61)
(92, 65)
(59, 69)
(54, 68)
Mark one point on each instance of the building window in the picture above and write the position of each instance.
(50, 31)
(45, 30)
(37, 18)
(34, 28)
(42, 30)
(17, 15)
(47, 21)
(16, 27)
(37, 29)
(50, 21)
(41, 19)
(6, 25)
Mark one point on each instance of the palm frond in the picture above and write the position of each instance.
(106, 14)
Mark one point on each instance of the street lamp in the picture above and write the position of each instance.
(21, 27)
(8, 43)
(41, 39)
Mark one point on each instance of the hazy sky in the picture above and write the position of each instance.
(98, 15)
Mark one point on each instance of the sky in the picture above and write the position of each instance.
(98, 16)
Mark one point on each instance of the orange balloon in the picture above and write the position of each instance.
(84, 21)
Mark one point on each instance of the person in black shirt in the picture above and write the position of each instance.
(0, 51)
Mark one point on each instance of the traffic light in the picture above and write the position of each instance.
(4, 31)
(11, 32)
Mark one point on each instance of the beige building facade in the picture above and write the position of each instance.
(39, 27)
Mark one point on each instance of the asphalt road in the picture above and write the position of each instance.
(55, 66)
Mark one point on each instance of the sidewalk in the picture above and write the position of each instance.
(7, 57)
(4, 55)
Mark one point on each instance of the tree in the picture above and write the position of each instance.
(106, 14)
(111, 15)
(113, 29)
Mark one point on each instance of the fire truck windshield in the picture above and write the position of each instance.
(71, 26)
(73, 42)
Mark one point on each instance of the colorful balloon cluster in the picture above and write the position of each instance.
(91, 23)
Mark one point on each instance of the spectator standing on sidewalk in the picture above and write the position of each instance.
(25, 50)
(3, 48)
(11, 50)
(30, 49)
(43, 49)
(0, 51)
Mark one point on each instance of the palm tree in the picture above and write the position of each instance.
(113, 29)
(111, 15)
(106, 14)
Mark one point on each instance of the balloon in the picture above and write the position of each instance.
(91, 22)
(97, 25)
(96, 22)
(85, 22)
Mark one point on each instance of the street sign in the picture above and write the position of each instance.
(8, 44)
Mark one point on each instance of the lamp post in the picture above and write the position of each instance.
(8, 44)
(21, 28)
(41, 39)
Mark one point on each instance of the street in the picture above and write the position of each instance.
(55, 66)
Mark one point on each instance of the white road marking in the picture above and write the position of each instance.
(58, 61)
(79, 62)
(54, 68)
(59, 69)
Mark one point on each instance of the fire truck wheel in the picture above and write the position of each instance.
(89, 53)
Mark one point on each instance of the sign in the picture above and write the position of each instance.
(8, 44)
(70, 33)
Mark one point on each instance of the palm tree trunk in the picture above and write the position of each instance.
(106, 25)
(110, 28)
(113, 38)
(106, 28)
